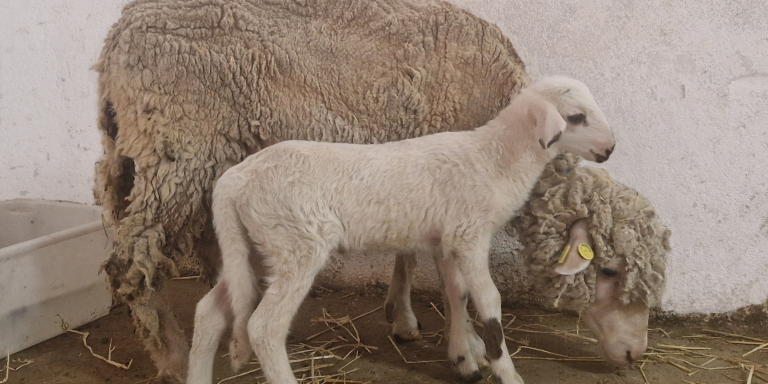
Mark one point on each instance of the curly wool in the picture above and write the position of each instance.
(623, 224)
(189, 88)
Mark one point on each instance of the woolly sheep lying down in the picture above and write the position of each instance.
(446, 194)
(573, 205)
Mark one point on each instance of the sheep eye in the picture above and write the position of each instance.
(609, 272)
(578, 118)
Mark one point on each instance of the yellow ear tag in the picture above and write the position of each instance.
(564, 256)
(586, 252)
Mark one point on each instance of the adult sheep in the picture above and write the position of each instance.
(189, 88)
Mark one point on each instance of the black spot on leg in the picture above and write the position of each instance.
(493, 338)
(460, 359)
(389, 308)
(496, 378)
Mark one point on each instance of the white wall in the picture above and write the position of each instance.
(48, 136)
(684, 83)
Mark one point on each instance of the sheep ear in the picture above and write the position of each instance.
(549, 124)
(573, 263)
(578, 253)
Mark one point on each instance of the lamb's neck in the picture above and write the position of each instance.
(516, 155)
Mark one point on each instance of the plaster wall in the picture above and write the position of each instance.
(684, 83)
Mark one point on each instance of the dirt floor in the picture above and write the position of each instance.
(548, 351)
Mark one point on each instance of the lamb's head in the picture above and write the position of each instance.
(583, 129)
(596, 247)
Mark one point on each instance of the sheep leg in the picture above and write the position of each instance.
(166, 342)
(474, 267)
(164, 219)
(212, 317)
(398, 310)
(466, 351)
(290, 281)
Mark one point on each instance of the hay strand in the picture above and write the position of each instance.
(412, 362)
(336, 326)
(107, 359)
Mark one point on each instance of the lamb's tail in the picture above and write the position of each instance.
(236, 271)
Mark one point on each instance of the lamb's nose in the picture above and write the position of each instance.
(608, 152)
(603, 158)
(630, 359)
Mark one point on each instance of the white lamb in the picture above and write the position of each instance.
(297, 201)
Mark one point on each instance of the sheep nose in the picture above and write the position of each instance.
(630, 359)
(603, 158)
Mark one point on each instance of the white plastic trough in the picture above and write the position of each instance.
(50, 253)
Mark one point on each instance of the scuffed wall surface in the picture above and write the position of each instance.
(684, 83)
(48, 137)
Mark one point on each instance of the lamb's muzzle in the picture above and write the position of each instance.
(602, 158)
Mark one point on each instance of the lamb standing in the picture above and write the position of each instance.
(446, 193)
(189, 88)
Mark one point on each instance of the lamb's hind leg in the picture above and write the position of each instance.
(212, 318)
(291, 277)
(397, 307)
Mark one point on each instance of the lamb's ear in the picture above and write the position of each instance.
(578, 253)
(549, 124)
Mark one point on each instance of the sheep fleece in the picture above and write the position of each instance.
(189, 88)
(622, 222)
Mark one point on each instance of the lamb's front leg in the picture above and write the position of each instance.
(473, 264)
(466, 350)
(397, 307)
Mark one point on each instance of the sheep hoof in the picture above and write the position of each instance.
(407, 337)
(471, 378)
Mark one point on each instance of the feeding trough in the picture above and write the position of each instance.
(50, 253)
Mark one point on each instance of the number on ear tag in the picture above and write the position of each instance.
(586, 252)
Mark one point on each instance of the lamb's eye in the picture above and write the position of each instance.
(609, 272)
(578, 118)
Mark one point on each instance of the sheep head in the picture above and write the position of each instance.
(596, 247)
(582, 128)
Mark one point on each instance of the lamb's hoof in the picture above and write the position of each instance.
(484, 362)
(407, 337)
(473, 377)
